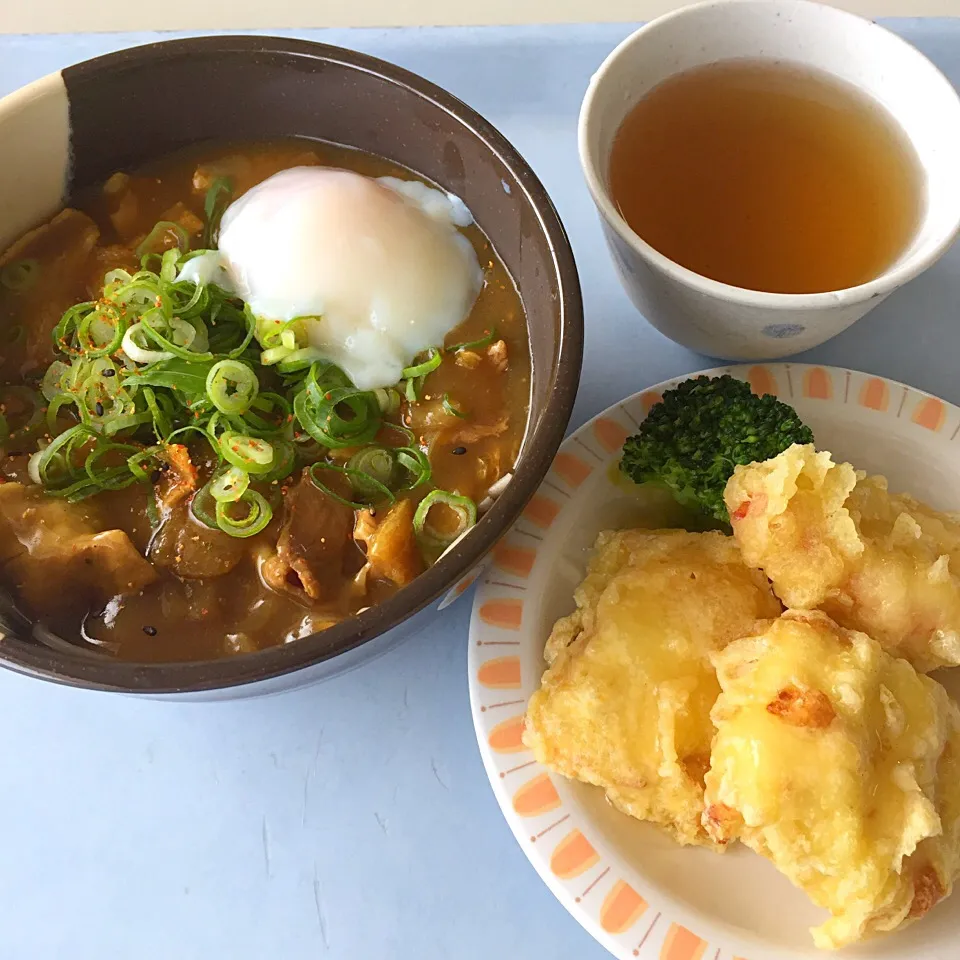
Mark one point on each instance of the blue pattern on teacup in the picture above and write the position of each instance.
(781, 331)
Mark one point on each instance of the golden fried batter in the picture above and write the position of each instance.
(830, 537)
(841, 765)
(625, 703)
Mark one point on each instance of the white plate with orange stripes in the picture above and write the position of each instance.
(635, 890)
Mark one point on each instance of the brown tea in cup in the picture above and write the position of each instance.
(768, 176)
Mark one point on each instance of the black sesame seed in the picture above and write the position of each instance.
(155, 476)
(109, 373)
(99, 408)
(150, 631)
(458, 451)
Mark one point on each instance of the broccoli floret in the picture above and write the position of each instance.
(693, 438)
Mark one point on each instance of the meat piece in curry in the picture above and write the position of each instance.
(310, 553)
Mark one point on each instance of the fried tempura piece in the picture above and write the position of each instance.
(830, 537)
(625, 703)
(841, 765)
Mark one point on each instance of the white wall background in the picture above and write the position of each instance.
(67, 16)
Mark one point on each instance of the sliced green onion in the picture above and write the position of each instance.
(299, 359)
(397, 468)
(325, 375)
(484, 341)
(230, 485)
(399, 428)
(258, 515)
(99, 333)
(250, 322)
(139, 293)
(124, 422)
(114, 477)
(232, 386)
(362, 483)
(284, 460)
(197, 300)
(168, 265)
(277, 408)
(53, 464)
(33, 465)
(200, 342)
(306, 449)
(214, 204)
(118, 276)
(65, 331)
(248, 453)
(388, 399)
(163, 227)
(78, 490)
(140, 357)
(183, 333)
(434, 359)
(52, 382)
(273, 356)
(376, 463)
(153, 355)
(135, 463)
(28, 421)
(203, 507)
(451, 409)
(216, 425)
(410, 391)
(20, 275)
(428, 535)
(268, 331)
(137, 351)
(60, 401)
(416, 464)
(162, 426)
(322, 415)
(178, 435)
(153, 514)
(151, 328)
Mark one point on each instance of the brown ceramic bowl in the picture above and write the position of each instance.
(77, 127)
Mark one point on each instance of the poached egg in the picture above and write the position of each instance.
(377, 269)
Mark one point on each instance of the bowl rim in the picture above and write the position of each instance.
(87, 672)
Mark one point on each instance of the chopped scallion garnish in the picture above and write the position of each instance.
(362, 484)
(229, 485)
(232, 387)
(154, 361)
(248, 453)
(431, 536)
(434, 359)
(451, 409)
(214, 204)
(154, 238)
(484, 341)
(21, 413)
(336, 416)
(255, 514)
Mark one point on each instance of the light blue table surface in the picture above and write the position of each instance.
(353, 820)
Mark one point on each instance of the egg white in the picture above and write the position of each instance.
(378, 267)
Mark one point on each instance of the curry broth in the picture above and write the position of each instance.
(231, 610)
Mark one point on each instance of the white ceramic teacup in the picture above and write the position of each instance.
(726, 321)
